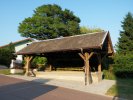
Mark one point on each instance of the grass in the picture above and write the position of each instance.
(109, 75)
(123, 88)
(5, 71)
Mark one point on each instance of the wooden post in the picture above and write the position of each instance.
(99, 67)
(87, 67)
(50, 67)
(28, 60)
(86, 56)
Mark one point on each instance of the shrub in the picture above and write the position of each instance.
(39, 62)
(107, 74)
(123, 65)
(6, 54)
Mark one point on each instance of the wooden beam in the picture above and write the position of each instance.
(28, 60)
(99, 67)
(82, 56)
(91, 54)
(86, 57)
(50, 67)
(85, 72)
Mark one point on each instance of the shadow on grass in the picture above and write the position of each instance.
(122, 89)
(23, 90)
(125, 88)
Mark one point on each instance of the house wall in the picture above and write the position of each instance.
(20, 46)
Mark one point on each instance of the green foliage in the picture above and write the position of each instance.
(123, 66)
(125, 43)
(5, 71)
(123, 60)
(123, 89)
(6, 54)
(109, 75)
(85, 30)
(39, 62)
(107, 66)
(49, 21)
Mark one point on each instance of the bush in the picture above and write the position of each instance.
(123, 65)
(6, 54)
(39, 62)
(108, 73)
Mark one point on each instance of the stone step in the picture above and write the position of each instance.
(66, 75)
(77, 76)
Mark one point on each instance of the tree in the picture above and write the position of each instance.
(6, 54)
(125, 41)
(50, 21)
(85, 30)
(123, 60)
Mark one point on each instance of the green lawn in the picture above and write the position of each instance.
(5, 71)
(123, 89)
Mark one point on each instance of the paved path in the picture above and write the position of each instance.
(3, 67)
(97, 88)
(18, 89)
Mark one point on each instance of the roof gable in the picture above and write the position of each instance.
(107, 44)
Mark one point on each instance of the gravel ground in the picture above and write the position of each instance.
(97, 88)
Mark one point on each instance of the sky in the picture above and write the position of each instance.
(104, 14)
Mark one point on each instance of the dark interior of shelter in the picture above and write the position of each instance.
(62, 60)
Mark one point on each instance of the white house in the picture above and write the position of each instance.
(18, 46)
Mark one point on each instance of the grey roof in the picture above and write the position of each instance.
(84, 41)
(17, 42)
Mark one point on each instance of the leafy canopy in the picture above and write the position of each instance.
(49, 21)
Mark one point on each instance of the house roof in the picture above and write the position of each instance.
(17, 42)
(84, 41)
